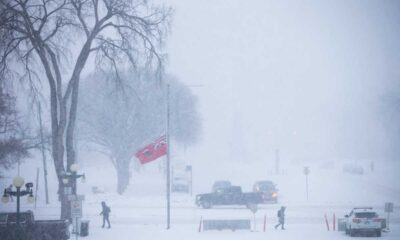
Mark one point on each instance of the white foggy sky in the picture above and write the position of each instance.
(304, 76)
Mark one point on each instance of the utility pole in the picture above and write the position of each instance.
(37, 185)
(43, 155)
(168, 163)
(307, 186)
(306, 172)
(277, 160)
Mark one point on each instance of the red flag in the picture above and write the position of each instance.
(153, 151)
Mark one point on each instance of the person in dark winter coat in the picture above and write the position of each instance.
(106, 214)
(281, 217)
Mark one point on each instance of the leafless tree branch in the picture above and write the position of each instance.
(37, 38)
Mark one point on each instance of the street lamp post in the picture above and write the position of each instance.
(72, 176)
(18, 182)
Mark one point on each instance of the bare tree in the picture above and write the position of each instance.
(118, 125)
(55, 38)
(15, 139)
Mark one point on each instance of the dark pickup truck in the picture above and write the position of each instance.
(268, 191)
(31, 229)
(228, 196)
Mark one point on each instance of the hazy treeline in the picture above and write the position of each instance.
(120, 118)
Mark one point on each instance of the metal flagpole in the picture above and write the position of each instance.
(307, 186)
(168, 165)
(37, 185)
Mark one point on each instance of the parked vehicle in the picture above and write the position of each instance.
(218, 185)
(180, 184)
(353, 169)
(181, 180)
(363, 220)
(97, 190)
(31, 228)
(268, 191)
(228, 196)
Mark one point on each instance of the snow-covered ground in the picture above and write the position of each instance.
(141, 212)
(189, 231)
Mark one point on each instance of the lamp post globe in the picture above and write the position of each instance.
(18, 181)
(74, 168)
(65, 180)
(31, 199)
(5, 199)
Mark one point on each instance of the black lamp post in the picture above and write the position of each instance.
(71, 177)
(18, 182)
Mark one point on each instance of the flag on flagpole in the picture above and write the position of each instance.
(154, 150)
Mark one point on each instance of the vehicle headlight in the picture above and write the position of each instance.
(274, 194)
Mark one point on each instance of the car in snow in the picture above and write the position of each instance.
(220, 185)
(353, 169)
(180, 184)
(268, 191)
(363, 220)
(228, 196)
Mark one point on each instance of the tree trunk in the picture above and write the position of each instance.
(58, 155)
(69, 135)
(58, 119)
(123, 175)
(65, 205)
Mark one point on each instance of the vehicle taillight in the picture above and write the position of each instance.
(356, 220)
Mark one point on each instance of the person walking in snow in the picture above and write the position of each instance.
(281, 217)
(106, 214)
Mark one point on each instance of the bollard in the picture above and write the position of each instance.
(334, 222)
(327, 223)
(201, 221)
(265, 222)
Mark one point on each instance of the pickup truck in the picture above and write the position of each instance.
(218, 185)
(32, 229)
(228, 196)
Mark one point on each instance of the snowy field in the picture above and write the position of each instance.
(297, 231)
(141, 212)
